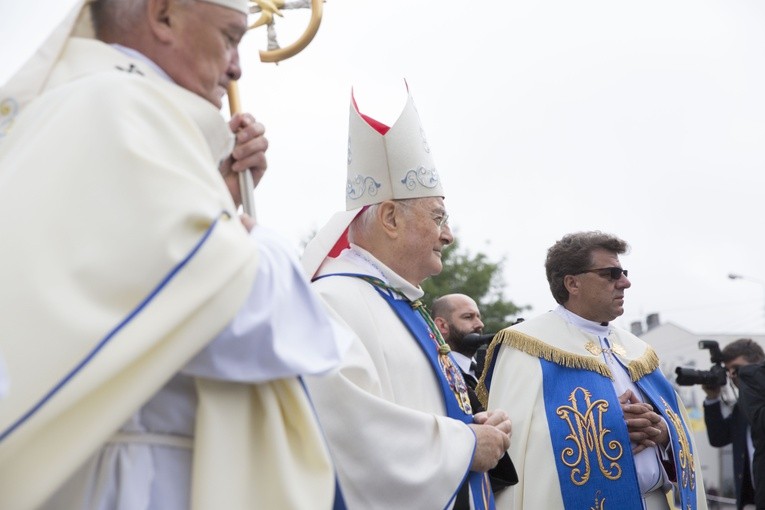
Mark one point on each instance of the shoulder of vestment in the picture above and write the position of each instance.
(550, 337)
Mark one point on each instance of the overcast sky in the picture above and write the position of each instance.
(643, 119)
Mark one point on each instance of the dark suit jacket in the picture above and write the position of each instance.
(472, 382)
(751, 381)
(724, 431)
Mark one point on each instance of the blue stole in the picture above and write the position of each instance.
(664, 400)
(593, 455)
(483, 498)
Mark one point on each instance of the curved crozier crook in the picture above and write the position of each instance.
(269, 8)
(293, 49)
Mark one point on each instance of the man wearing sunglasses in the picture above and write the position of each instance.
(596, 424)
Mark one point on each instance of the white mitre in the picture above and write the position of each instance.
(384, 163)
(388, 163)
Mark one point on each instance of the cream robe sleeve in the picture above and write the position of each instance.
(264, 341)
(382, 415)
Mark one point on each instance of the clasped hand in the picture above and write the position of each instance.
(646, 428)
(492, 435)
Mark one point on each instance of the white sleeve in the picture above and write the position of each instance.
(282, 330)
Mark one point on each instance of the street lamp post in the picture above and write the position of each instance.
(735, 276)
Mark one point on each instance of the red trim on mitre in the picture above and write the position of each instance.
(379, 126)
(376, 124)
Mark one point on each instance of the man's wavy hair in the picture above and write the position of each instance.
(746, 347)
(573, 254)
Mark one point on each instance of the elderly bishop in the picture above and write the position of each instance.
(397, 413)
(152, 353)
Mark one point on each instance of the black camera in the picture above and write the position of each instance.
(715, 377)
(477, 339)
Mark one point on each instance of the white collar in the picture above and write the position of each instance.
(592, 327)
(361, 257)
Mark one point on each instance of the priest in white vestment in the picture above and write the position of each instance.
(597, 424)
(153, 344)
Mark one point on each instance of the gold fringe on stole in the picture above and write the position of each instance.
(644, 365)
(480, 390)
(539, 349)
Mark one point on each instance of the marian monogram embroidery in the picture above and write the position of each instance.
(589, 438)
(685, 456)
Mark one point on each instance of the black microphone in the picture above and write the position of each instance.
(477, 339)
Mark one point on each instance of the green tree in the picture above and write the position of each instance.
(478, 277)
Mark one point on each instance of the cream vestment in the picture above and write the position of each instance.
(383, 412)
(570, 444)
(123, 258)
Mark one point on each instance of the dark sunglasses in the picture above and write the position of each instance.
(612, 273)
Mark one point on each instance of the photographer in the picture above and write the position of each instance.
(751, 400)
(733, 429)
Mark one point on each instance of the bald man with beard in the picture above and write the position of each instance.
(456, 316)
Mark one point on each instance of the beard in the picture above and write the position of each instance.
(456, 335)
